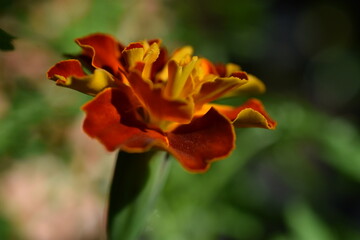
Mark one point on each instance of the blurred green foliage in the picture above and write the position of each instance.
(102, 16)
(301, 181)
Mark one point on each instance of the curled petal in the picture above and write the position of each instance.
(180, 56)
(104, 51)
(133, 53)
(250, 114)
(70, 74)
(202, 141)
(142, 53)
(111, 118)
(65, 69)
(160, 108)
(151, 55)
(219, 87)
(253, 86)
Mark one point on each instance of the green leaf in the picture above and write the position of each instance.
(342, 147)
(135, 185)
(306, 224)
(5, 41)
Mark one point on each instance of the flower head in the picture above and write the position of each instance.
(145, 98)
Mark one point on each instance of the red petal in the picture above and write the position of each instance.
(240, 75)
(112, 118)
(204, 140)
(250, 114)
(66, 69)
(104, 50)
(159, 107)
(221, 69)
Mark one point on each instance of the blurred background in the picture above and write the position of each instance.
(301, 181)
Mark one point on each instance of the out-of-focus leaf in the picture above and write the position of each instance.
(6, 229)
(6, 41)
(103, 16)
(305, 224)
(342, 147)
(17, 127)
(338, 138)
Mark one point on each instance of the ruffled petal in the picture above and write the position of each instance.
(212, 90)
(65, 69)
(133, 53)
(250, 114)
(112, 117)
(204, 140)
(104, 51)
(70, 74)
(180, 56)
(142, 52)
(253, 86)
(158, 107)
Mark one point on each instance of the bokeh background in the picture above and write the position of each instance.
(301, 181)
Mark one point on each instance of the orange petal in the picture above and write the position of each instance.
(217, 88)
(70, 74)
(65, 69)
(253, 86)
(225, 70)
(113, 119)
(204, 140)
(160, 108)
(250, 114)
(207, 67)
(104, 51)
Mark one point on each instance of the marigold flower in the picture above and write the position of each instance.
(145, 98)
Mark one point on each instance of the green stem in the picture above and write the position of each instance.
(161, 174)
(136, 185)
